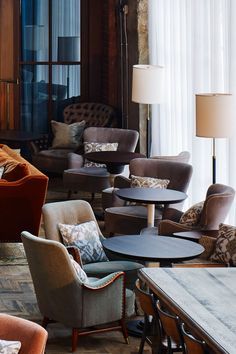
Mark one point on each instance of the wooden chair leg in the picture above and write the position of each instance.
(75, 335)
(124, 331)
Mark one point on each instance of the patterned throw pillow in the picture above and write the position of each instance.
(9, 347)
(79, 271)
(84, 236)
(192, 216)
(67, 136)
(150, 182)
(225, 249)
(93, 147)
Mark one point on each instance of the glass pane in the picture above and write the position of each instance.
(66, 84)
(34, 98)
(34, 30)
(66, 30)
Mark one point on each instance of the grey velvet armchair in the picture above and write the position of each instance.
(131, 219)
(62, 297)
(80, 211)
(218, 201)
(95, 179)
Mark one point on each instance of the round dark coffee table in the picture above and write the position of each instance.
(151, 196)
(114, 160)
(162, 249)
(195, 235)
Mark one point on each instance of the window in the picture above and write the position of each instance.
(50, 65)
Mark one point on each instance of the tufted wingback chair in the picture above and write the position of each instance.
(54, 160)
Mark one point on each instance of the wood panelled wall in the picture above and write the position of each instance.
(101, 24)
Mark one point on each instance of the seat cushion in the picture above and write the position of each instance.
(101, 269)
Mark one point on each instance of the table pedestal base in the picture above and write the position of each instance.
(135, 328)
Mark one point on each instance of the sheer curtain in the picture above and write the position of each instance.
(194, 41)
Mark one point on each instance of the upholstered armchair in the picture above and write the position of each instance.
(202, 216)
(32, 336)
(49, 153)
(64, 296)
(74, 212)
(130, 219)
(80, 175)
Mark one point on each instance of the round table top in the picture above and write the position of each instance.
(196, 234)
(151, 195)
(113, 157)
(153, 248)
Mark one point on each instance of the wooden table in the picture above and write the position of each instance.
(204, 298)
(114, 160)
(151, 196)
(162, 249)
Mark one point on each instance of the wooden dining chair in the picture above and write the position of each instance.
(171, 327)
(151, 329)
(192, 345)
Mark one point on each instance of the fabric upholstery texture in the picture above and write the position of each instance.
(67, 136)
(225, 248)
(209, 244)
(9, 347)
(192, 216)
(21, 199)
(14, 171)
(148, 182)
(82, 276)
(85, 237)
(32, 336)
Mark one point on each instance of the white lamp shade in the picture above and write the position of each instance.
(69, 48)
(214, 115)
(147, 84)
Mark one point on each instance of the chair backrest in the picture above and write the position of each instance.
(192, 344)
(178, 173)
(65, 212)
(146, 300)
(219, 199)
(183, 156)
(32, 336)
(171, 325)
(57, 286)
(95, 114)
(127, 139)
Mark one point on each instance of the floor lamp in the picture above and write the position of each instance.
(68, 50)
(147, 88)
(214, 119)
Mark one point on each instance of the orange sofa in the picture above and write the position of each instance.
(22, 195)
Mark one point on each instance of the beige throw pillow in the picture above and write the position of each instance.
(192, 216)
(67, 136)
(93, 147)
(225, 248)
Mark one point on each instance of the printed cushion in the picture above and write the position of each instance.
(225, 248)
(85, 236)
(148, 182)
(67, 136)
(9, 347)
(192, 216)
(93, 147)
(79, 271)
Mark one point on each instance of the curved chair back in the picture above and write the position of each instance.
(192, 345)
(67, 212)
(219, 199)
(32, 336)
(56, 284)
(127, 139)
(183, 156)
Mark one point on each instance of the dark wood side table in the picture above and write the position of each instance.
(114, 160)
(196, 235)
(151, 196)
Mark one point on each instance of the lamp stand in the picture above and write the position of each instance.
(149, 128)
(213, 161)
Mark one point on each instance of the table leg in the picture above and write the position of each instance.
(151, 215)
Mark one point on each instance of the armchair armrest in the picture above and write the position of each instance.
(121, 182)
(104, 282)
(172, 214)
(75, 160)
(168, 227)
(39, 144)
(74, 251)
